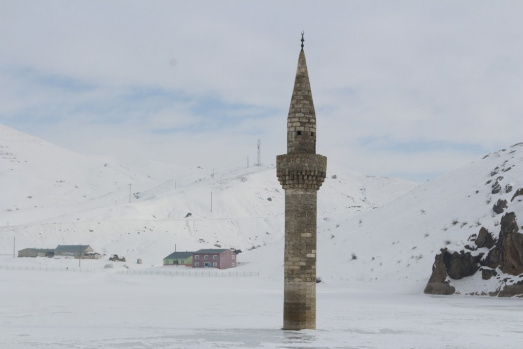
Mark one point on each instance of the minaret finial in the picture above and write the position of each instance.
(302, 39)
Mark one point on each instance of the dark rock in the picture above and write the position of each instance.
(442, 288)
(512, 290)
(508, 188)
(496, 188)
(507, 169)
(505, 253)
(460, 265)
(485, 239)
(438, 283)
(500, 206)
(493, 259)
(494, 171)
(517, 193)
(511, 245)
(487, 273)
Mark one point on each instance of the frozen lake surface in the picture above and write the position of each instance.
(103, 309)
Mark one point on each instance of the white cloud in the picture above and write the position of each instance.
(213, 77)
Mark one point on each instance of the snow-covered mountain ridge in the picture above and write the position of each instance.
(53, 196)
(370, 229)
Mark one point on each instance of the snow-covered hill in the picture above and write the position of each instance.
(398, 241)
(54, 196)
(369, 229)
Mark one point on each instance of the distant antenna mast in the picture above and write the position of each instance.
(259, 153)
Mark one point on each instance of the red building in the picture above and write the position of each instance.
(214, 258)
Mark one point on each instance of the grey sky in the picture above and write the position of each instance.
(401, 88)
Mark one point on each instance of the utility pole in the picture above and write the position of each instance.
(259, 153)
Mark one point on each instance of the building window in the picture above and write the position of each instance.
(197, 257)
(215, 257)
(298, 133)
(214, 264)
(312, 134)
(197, 264)
(206, 257)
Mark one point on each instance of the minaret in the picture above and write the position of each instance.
(301, 173)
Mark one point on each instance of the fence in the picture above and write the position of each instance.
(41, 268)
(192, 273)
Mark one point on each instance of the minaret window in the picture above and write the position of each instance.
(298, 133)
(312, 134)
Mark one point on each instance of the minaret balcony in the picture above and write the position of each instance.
(301, 171)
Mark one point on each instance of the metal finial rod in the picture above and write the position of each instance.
(302, 39)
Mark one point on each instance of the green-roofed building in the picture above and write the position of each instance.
(179, 258)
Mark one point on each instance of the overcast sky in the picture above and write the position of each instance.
(401, 88)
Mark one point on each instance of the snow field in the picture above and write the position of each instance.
(108, 310)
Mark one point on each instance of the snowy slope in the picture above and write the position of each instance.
(39, 180)
(54, 196)
(398, 241)
(369, 229)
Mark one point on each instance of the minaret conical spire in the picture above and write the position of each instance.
(301, 120)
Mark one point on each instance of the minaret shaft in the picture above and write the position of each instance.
(301, 173)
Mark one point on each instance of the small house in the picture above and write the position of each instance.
(73, 250)
(214, 258)
(179, 258)
(36, 252)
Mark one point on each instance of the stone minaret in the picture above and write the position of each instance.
(301, 173)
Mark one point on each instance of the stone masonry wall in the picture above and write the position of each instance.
(300, 259)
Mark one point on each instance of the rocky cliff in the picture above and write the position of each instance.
(491, 262)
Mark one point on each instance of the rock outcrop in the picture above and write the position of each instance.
(485, 239)
(504, 255)
(499, 206)
(438, 282)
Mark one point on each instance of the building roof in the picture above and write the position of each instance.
(179, 255)
(212, 250)
(71, 248)
(38, 249)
